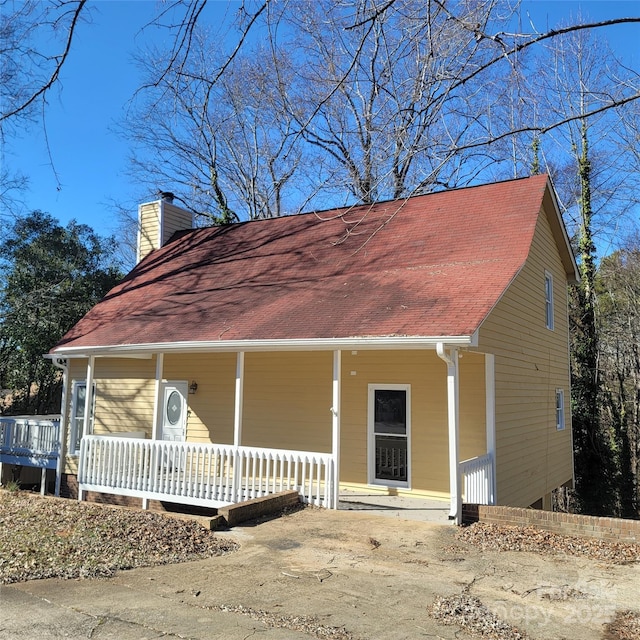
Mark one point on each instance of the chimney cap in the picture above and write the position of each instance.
(167, 196)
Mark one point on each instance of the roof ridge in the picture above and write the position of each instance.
(363, 205)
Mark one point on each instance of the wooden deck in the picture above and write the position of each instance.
(31, 441)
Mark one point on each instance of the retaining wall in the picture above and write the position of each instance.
(570, 524)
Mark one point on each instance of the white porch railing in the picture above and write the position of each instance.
(32, 441)
(201, 474)
(477, 480)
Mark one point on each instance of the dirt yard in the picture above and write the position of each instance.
(342, 575)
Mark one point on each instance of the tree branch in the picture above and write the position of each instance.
(56, 72)
(540, 130)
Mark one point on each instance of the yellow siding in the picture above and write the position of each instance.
(125, 394)
(158, 221)
(287, 400)
(124, 397)
(149, 228)
(473, 433)
(531, 361)
(427, 375)
(174, 219)
(211, 408)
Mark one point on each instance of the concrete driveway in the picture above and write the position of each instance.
(327, 574)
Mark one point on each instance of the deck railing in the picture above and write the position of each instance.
(200, 473)
(477, 480)
(30, 441)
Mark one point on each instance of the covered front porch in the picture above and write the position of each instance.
(212, 429)
(214, 476)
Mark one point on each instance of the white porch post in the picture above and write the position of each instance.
(62, 433)
(237, 426)
(157, 409)
(88, 398)
(335, 438)
(490, 403)
(453, 411)
(155, 432)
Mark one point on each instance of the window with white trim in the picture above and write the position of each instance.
(548, 299)
(559, 409)
(78, 395)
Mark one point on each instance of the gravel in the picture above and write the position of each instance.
(492, 537)
(58, 538)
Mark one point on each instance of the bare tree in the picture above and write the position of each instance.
(342, 101)
(35, 42)
(627, 145)
(381, 99)
(351, 102)
(12, 185)
(223, 144)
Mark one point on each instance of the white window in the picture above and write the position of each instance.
(78, 396)
(559, 409)
(548, 299)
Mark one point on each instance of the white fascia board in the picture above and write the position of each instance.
(83, 353)
(315, 344)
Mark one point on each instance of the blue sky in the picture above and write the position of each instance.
(100, 78)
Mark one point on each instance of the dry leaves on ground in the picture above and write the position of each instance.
(470, 614)
(307, 624)
(57, 538)
(625, 626)
(493, 537)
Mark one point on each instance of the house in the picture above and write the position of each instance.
(417, 347)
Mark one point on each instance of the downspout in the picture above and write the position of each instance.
(451, 360)
(62, 363)
(238, 400)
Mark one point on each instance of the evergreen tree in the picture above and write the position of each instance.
(51, 276)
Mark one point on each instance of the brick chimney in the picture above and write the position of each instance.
(158, 221)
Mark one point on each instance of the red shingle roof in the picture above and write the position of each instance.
(432, 265)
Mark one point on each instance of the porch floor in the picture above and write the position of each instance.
(421, 509)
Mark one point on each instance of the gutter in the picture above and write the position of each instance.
(313, 344)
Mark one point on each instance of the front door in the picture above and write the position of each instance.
(389, 434)
(174, 411)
